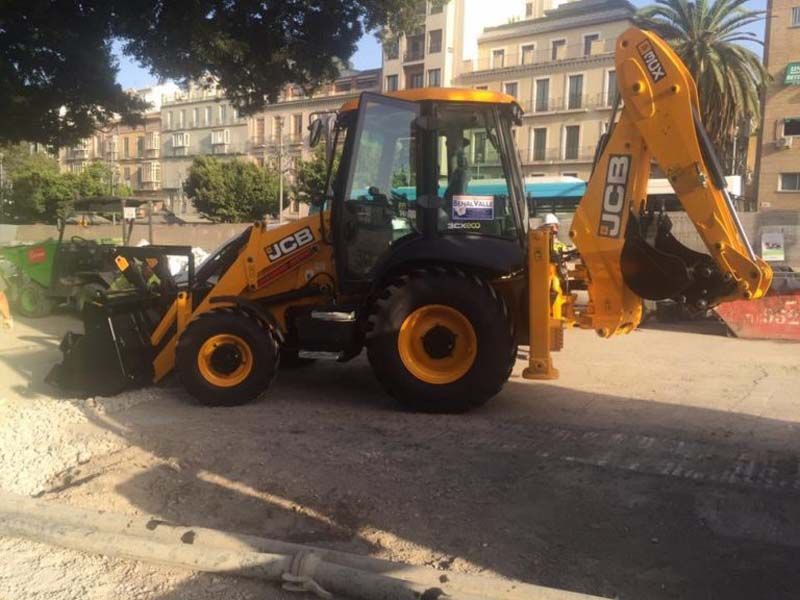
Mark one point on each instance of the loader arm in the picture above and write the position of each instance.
(625, 253)
(629, 255)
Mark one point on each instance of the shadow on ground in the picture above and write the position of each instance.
(601, 494)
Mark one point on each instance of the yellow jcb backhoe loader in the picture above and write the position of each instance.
(436, 273)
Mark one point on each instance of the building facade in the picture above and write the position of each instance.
(778, 164)
(434, 55)
(196, 122)
(560, 66)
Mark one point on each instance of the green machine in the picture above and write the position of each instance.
(45, 274)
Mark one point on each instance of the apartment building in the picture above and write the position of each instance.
(195, 122)
(133, 154)
(560, 66)
(282, 128)
(434, 55)
(778, 163)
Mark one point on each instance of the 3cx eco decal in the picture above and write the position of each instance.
(651, 61)
(291, 243)
(619, 166)
(472, 226)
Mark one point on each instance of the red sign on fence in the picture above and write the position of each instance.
(772, 317)
(37, 254)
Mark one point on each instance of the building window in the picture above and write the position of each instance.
(588, 40)
(437, 6)
(140, 146)
(539, 143)
(208, 116)
(182, 119)
(391, 83)
(180, 140)
(416, 80)
(126, 150)
(481, 87)
(526, 54)
(126, 173)
(152, 141)
(528, 10)
(434, 77)
(575, 92)
(558, 49)
(343, 86)
(498, 58)
(223, 114)
(612, 91)
(542, 103)
(415, 47)
(791, 126)
(259, 131)
(196, 117)
(434, 41)
(297, 126)
(220, 137)
(277, 127)
(511, 88)
(572, 135)
(796, 16)
(789, 182)
(569, 174)
(169, 120)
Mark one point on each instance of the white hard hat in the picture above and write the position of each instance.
(550, 219)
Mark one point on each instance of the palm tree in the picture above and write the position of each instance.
(706, 35)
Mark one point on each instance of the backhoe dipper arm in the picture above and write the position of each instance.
(628, 255)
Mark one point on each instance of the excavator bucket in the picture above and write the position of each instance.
(115, 351)
(111, 355)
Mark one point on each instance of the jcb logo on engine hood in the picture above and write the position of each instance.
(614, 192)
(651, 61)
(291, 243)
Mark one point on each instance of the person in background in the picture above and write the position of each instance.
(552, 223)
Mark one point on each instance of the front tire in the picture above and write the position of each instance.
(32, 300)
(441, 341)
(226, 358)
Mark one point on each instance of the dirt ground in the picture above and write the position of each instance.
(660, 465)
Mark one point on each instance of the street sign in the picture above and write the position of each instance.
(129, 213)
(792, 74)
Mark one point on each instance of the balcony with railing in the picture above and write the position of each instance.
(541, 55)
(566, 154)
(549, 105)
(415, 49)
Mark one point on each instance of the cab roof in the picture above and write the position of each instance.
(441, 95)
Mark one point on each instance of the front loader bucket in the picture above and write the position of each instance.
(111, 355)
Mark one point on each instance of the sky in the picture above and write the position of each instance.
(368, 55)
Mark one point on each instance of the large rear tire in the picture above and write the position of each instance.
(32, 300)
(226, 358)
(441, 341)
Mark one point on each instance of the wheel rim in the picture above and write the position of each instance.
(437, 344)
(225, 360)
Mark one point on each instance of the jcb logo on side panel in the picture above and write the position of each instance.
(614, 195)
(289, 244)
(651, 61)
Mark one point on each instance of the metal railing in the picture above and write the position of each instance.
(540, 56)
(558, 104)
(552, 155)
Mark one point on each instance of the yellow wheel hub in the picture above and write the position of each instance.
(225, 360)
(437, 344)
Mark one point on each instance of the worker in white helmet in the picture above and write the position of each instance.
(552, 223)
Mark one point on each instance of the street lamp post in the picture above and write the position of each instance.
(280, 169)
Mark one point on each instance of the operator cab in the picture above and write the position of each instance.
(408, 184)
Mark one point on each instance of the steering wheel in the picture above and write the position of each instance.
(81, 241)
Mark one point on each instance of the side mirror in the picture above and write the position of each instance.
(316, 129)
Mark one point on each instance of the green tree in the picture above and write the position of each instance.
(232, 191)
(310, 174)
(706, 34)
(58, 70)
(96, 179)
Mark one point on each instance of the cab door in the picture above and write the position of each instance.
(379, 191)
